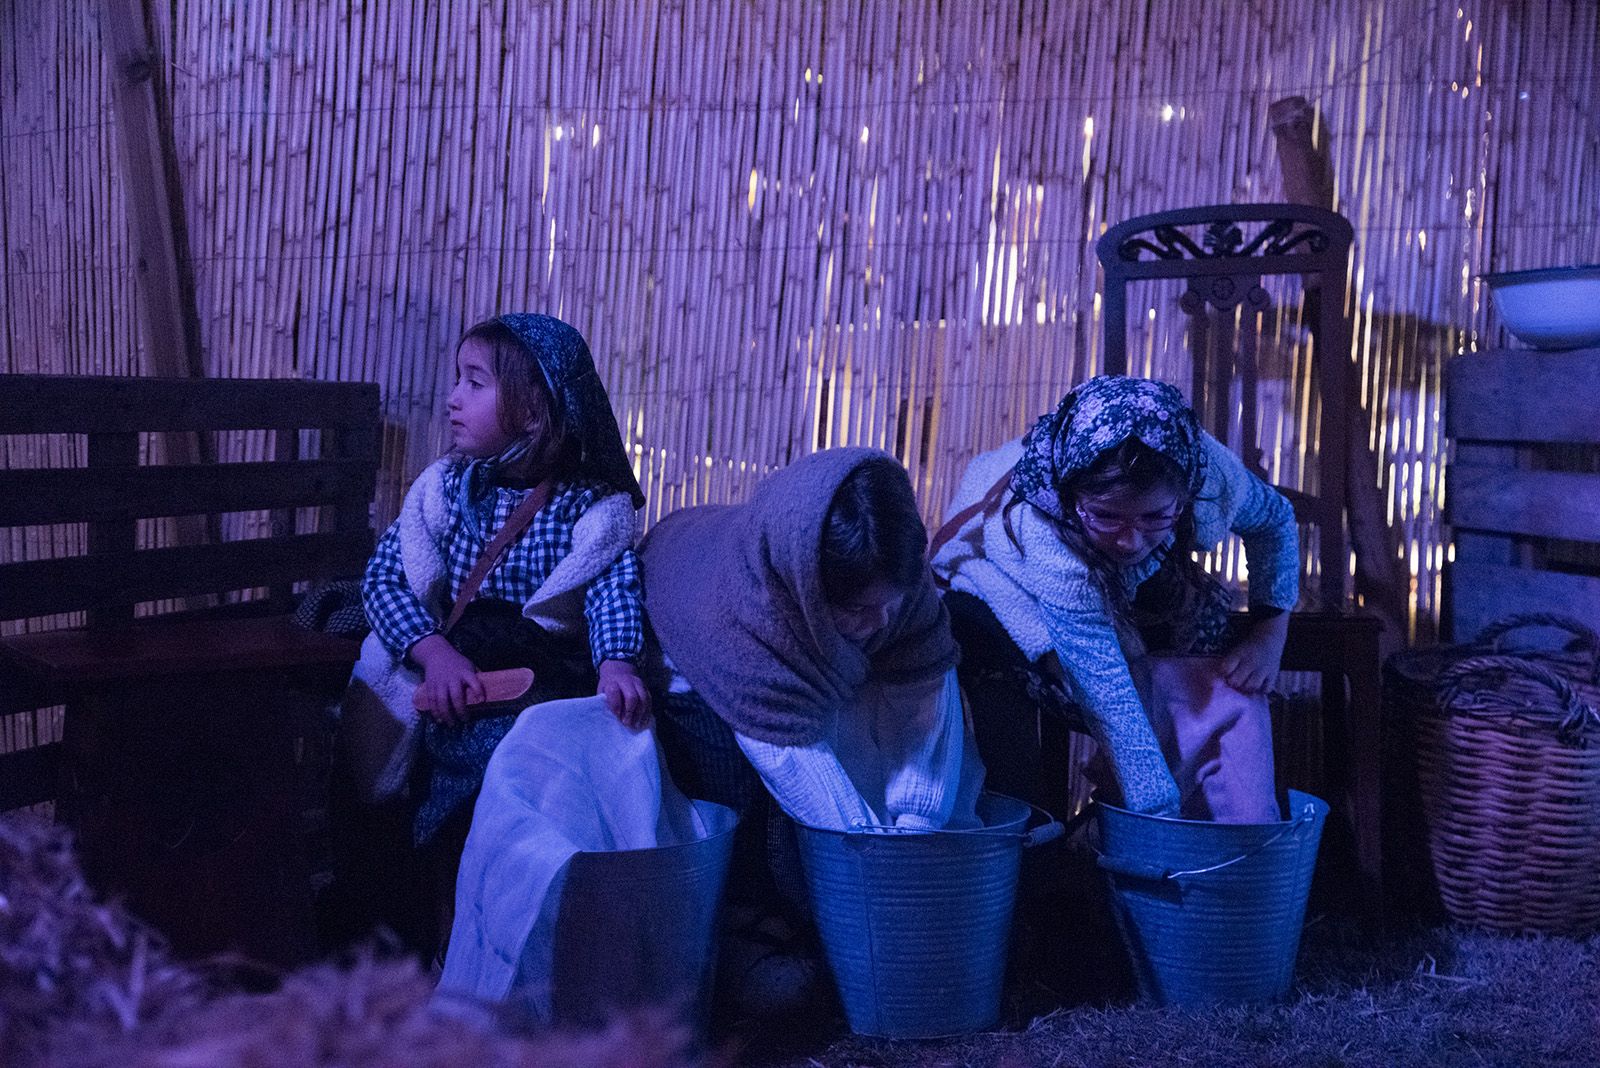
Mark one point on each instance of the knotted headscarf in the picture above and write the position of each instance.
(735, 596)
(582, 408)
(1096, 418)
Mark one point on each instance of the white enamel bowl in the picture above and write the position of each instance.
(1551, 307)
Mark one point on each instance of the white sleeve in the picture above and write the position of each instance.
(809, 783)
(921, 774)
(925, 758)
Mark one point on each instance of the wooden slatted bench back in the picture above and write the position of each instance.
(158, 527)
(1522, 494)
(118, 484)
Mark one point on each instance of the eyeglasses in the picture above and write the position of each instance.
(1108, 525)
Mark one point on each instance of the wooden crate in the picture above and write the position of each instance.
(1522, 493)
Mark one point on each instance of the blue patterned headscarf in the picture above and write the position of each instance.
(583, 408)
(1094, 419)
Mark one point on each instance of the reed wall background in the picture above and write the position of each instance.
(792, 224)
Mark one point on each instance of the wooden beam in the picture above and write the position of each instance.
(153, 192)
(79, 404)
(1306, 165)
(1484, 593)
(153, 196)
(116, 533)
(71, 662)
(1540, 504)
(110, 494)
(104, 580)
(1381, 579)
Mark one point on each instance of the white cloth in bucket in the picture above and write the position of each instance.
(923, 774)
(567, 778)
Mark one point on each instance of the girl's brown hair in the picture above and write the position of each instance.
(872, 532)
(525, 407)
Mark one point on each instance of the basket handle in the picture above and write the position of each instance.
(1493, 635)
(1456, 683)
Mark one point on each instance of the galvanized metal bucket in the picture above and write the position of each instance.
(915, 924)
(637, 927)
(1211, 912)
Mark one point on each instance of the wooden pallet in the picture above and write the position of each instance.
(1523, 490)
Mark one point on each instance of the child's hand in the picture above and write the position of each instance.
(449, 680)
(625, 693)
(1253, 665)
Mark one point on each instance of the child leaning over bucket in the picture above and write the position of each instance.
(1079, 540)
(809, 647)
(536, 445)
(811, 679)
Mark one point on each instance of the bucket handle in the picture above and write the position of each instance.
(1155, 873)
(1045, 832)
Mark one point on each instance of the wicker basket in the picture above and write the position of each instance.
(1508, 768)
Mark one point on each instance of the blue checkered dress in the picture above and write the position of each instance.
(613, 604)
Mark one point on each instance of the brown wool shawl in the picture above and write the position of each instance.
(735, 597)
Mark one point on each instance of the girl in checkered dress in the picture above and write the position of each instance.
(528, 409)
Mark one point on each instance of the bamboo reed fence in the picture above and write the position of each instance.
(788, 225)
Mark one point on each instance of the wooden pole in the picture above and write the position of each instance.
(1381, 578)
(154, 198)
(154, 193)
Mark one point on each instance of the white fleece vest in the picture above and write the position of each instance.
(379, 723)
(1019, 584)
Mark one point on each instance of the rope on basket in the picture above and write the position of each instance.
(1585, 643)
(1485, 686)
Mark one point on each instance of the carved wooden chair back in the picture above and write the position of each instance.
(1221, 254)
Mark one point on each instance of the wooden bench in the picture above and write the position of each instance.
(165, 536)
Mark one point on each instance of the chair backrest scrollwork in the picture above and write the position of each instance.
(1221, 254)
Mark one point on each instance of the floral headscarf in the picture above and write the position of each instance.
(580, 397)
(1093, 420)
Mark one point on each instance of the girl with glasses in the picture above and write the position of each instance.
(1073, 551)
